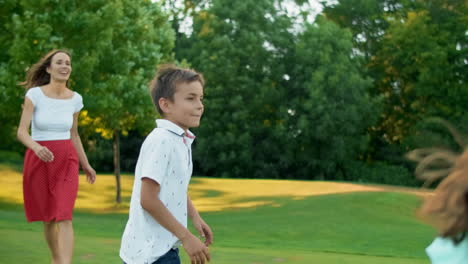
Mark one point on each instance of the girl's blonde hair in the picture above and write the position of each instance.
(447, 208)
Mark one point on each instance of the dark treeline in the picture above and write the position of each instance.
(339, 97)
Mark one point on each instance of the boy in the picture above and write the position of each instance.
(160, 204)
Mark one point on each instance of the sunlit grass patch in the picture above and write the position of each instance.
(208, 194)
(211, 194)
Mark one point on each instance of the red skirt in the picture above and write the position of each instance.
(50, 188)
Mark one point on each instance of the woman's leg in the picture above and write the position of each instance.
(51, 236)
(65, 238)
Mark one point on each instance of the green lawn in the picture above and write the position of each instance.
(357, 228)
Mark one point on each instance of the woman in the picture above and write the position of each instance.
(50, 173)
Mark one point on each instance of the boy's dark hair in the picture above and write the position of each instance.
(167, 78)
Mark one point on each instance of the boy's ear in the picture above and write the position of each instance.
(164, 104)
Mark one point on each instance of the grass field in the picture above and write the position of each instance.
(254, 221)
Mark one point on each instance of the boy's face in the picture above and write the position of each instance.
(187, 107)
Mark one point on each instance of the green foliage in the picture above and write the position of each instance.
(331, 108)
(424, 75)
(367, 19)
(10, 157)
(141, 38)
(416, 53)
(9, 108)
(283, 99)
(242, 60)
(100, 151)
(381, 172)
(115, 45)
(271, 100)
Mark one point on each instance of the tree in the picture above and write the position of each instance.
(368, 20)
(274, 95)
(141, 40)
(424, 70)
(241, 57)
(330, 107)
(415, 52)
(115, 45)
(9, 117)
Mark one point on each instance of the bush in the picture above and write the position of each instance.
(11, 157)
(101, 156)
(381, 172)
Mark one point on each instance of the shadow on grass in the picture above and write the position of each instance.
(6, 204)
(14, 166)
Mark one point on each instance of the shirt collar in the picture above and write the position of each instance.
(172, 127)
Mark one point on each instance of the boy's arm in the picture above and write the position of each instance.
(199, 224)
(194, 247)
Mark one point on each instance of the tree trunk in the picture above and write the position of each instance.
(116, 148)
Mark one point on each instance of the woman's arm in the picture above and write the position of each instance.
(23, 133)
(75, 137)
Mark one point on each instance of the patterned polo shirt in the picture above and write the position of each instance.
(166, 158)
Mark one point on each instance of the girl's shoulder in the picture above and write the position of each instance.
(446, 250)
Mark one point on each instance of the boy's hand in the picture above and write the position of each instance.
(196, 250)
(204, 230)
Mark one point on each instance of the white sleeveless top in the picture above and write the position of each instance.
(444, 251)
(52, 118)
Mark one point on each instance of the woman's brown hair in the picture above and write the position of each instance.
(37, 75)
(447, 208)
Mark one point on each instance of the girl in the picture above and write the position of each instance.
(50, 173)
(447, 209)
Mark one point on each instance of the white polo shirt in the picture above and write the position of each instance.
(166, 158)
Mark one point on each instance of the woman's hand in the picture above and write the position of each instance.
(90, 174)
(44, 153)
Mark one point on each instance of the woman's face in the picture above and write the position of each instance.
(60, 67)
